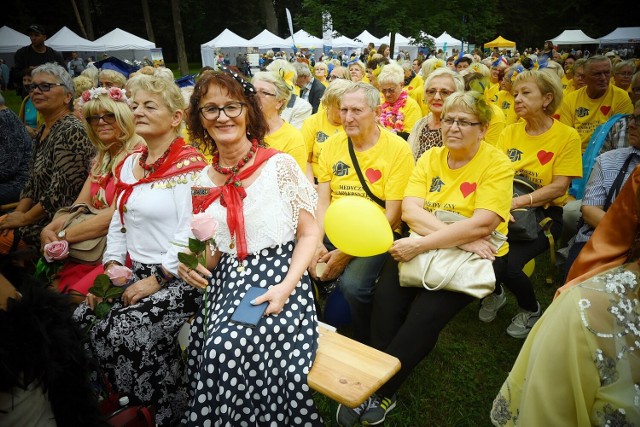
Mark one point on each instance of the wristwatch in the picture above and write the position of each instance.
(62, 234)
(162, 276)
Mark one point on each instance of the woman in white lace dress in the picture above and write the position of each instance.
(267, 235)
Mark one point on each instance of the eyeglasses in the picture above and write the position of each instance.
(212, 112)
(625, 74)
(634, 119)
(108, 118)
(443, 92)
(389, 89)
(462, 124)
(261, 93)
(43, 87)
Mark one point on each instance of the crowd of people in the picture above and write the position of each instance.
(249, 165)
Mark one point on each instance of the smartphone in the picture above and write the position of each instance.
(248, 314)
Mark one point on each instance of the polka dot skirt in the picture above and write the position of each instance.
(243, 376)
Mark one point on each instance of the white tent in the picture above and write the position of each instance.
(267, 40)
(622, 35)
(447, 43)
(305, 40)
(366, 37)
(66, 40)
(124, 45)
(345, 42)
(227, 40)
(401, 42)
(573, 37)
(12, 40)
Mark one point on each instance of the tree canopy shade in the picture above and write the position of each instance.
(500, 43)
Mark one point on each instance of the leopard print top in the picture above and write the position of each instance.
(58, 170)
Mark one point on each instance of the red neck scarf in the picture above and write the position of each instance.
(182, 158)
(231, 195)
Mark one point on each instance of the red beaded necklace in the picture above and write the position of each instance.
(142, 161)
(233, 170)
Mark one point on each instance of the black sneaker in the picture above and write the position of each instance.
(347, 417)
(378, 410)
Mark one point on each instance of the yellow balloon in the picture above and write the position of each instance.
(358, 227)
(529, 267)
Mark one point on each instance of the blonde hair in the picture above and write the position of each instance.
(117, 78)
(469, 102)
(283, 91)
(333, 93)
(391, 73)
(167, 90)
(127, 139)
(548, 82)
(82, 83)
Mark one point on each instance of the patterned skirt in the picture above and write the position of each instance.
(244, 376)
(137, 347)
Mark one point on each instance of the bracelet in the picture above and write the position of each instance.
(163, 277)
(110, 263)
(530, 200)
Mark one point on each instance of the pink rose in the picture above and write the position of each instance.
(203, 226)
(119, 275)
(116, 94)
(86, 96)
(56, 251)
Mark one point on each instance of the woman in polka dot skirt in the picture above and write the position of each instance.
(241, 375)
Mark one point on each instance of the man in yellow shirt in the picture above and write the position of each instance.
(587, 108)
(386, 163)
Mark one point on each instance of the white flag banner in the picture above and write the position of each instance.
(327, 31)
(290, 22)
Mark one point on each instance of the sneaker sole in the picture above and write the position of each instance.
(519, 335)
(366, 423)
(489, 320)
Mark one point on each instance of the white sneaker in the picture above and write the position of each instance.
(490, 305)
(522, 323)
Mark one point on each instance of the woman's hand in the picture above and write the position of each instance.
(406, 249)
(140, 289)
(482, 248)
(47, 236)
(320, 252)
(93, 300)
(336, 261)
(277, 297)
(196, 278)
(14, 220)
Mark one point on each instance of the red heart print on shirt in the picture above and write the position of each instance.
(605, 109)
(545, 156)
(373, 175)
(467, 188)
(556, 116)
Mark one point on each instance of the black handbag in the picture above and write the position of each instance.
(528, 221)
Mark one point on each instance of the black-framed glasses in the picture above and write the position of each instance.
(108, 118)
(634, 119)
(462, 124)
(43, 87)
(443, 92)
(261, 93)
(212, 112)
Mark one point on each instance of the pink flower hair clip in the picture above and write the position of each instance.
(115, 93)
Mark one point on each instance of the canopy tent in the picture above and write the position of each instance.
(447, 43)
(119, 43)
(622, 35)
(500, 43)
(304, 40)
(12, 40)
(401, 42)
(66, 40)
(267, 40)
(345, 42)
(226, 40)
(366, 37)
(573, 37)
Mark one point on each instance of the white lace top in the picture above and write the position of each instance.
(271, 208)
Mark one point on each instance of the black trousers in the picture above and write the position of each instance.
(406, 322)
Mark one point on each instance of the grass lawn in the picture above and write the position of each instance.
(12, 100)
(456, 384)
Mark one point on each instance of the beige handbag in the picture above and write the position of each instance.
(87, 251)
(452, 269)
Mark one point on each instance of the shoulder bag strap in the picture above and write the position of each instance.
(365, 187)
(617, 183)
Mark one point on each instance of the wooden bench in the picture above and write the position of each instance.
(344, 370)
(348, 371)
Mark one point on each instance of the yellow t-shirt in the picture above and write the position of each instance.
(586, 114)
(386, 167)
(491, 94)
(289, 140)
(414, 88)
(566, 83)
(419, 97)
(506, 104)
(497, 124)
(412, 114)
(316, 129)
(486, 182)
(539, 158)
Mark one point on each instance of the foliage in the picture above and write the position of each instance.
(102, 288)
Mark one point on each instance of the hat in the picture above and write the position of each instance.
(36, 28)
(186, 81)
(113, 63)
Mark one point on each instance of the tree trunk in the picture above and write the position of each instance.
(77, 13)
(392, 44)
(177, 23)
(86, 11)
(270, 16)
(147, 21)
